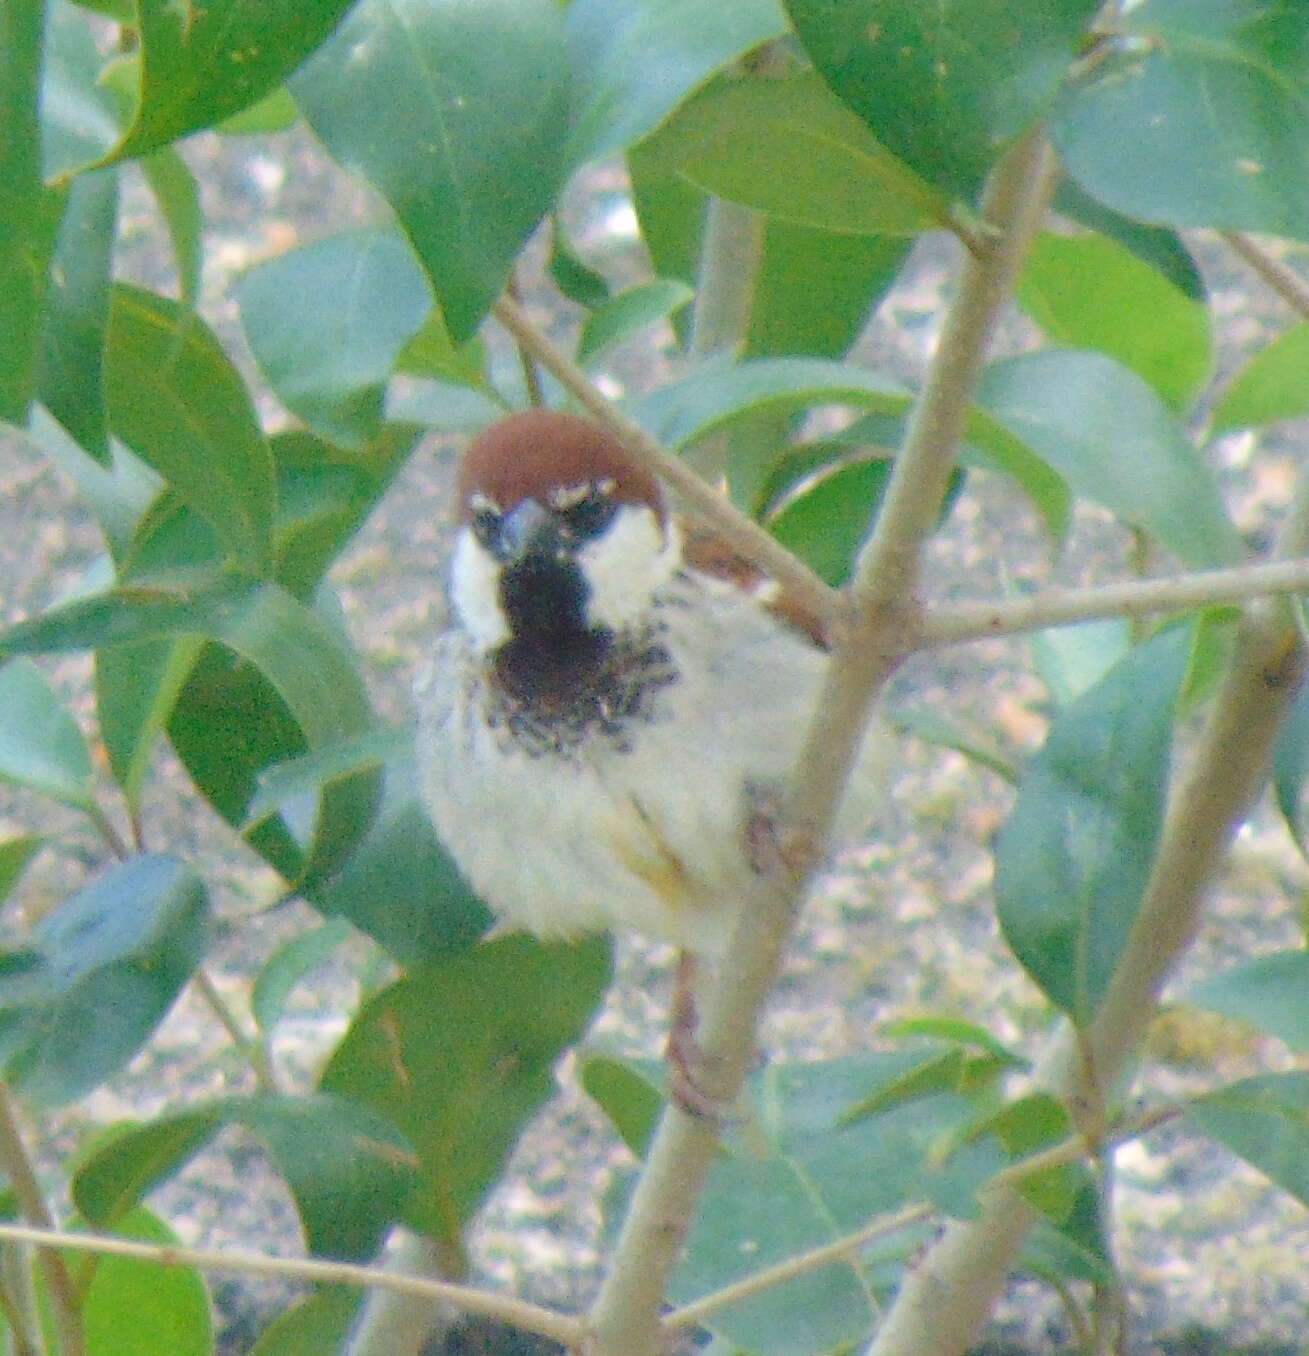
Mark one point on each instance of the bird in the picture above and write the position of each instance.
(610, 715)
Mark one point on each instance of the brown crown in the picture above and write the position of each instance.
(537, 454)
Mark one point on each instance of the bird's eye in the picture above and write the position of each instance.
(486, 525)
(589, 516)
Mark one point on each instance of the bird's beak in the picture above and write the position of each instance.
(530, 530)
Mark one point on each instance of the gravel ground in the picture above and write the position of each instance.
(902, 925)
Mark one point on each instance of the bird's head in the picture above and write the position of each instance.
(562, 536)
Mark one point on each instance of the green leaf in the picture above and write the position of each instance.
(933, 728)
(289, 964)
(958, 1031)
(41, 745)
(1164, 250)
(455, 110)
(459, 1054)
(177, 401)
(1199, 116)
(202, 64)
(716, 393)
(1291, 765)
(815, 288)
(1264, 1120)
(1107, 433)
(632, 64)
(28, 213)
(1271, 386)
(15, 853)
(1070, 659)
(1088, 292)
(787, 147)
(326, 323)
(316, 1325)
(137, 1308)
(278, 681)
(136, 689)
(70, 376)
(100, 972)
(627, 313)
(78, 113)
(793, 1190)
(177, 195)
(275, 112)
(347, 1168)
(826, 523)
(575, 279)
(1268, 993)
(628, 1092)
(1073, 859)
(944, 86)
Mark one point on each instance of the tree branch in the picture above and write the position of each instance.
(744, 533)
(951, 624)
(518, 1313)
(947, 1296)
(1288, 284)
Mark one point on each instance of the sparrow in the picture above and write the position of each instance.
(615, 704)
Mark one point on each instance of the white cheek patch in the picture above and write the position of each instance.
(626, 565)
(475, 592)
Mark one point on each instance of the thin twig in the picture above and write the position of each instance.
(951, 624)
(517, 1313)
(105, 828)
(693, 1314)
(251, 1048)
(751, 540)
(22, 1178)
(526, 362)
(1288, 284)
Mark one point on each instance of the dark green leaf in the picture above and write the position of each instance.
(137, 1308)
(455, 111)
(177, 196)
(1164, 250)
(41, 745)
(15, 853)
(202, 64)
(1102, 428)
(632, 62)
(177, 401)
(1264, 1120)
(1271, 386)
(826, 522)
(28, 213)
(627, 313)
(1088, 292)
(107, 964)
(313, 1327)
(1199, 118)
(326, 323)
(1074, 1249)
(958, 1031)
(1291, 765)
(944, 86)
(70, 376)
(458, 1055)
(348, 1170)
(575, 279)
(1074, 857)
(1269, 993)
(289, 964)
